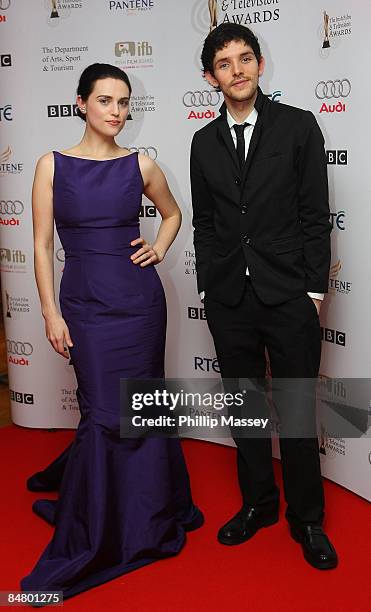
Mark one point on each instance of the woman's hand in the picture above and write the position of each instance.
(58, 334)
(146, 255)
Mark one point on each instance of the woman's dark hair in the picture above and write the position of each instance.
(221, 36)
(94, 73)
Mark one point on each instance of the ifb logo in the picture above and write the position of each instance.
(333, 336)
(196, 313)
(337, 157)
(140, 49)
(5, 60)
(62, 110)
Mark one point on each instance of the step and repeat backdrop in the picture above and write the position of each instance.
(316, 55)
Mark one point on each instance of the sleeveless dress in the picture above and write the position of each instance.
(123, 502)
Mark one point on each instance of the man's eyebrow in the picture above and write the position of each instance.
(224, 59)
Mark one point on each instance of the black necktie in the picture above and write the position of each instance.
(239, 129)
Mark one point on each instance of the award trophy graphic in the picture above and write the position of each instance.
(8, 313)
(213, 8)
(323, 440)
(54, 12)
(326, 41)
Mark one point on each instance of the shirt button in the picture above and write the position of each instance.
(244, 209)
(246, 239)
(237, 180)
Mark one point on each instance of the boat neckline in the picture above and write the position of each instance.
(96, 160)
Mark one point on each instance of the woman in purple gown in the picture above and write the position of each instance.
(123, 502)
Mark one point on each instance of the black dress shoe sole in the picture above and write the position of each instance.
(324, 565)
(235, 541)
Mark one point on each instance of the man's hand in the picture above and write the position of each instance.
(317, 303)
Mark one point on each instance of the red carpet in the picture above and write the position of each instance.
(266, 574)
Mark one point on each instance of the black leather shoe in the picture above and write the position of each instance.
(317, 548)
(245, 524)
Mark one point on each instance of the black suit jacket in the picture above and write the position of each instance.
(272, 216)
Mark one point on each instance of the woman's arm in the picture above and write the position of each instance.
(43, 228)
(157, 190)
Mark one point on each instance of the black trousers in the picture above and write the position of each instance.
(291, 334)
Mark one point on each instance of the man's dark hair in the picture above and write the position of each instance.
(221, 36)
(96, 72)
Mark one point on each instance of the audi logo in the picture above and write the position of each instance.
(4, 4)
(11, 207)
(60, 255)
(201, 98)
(19, 348)
(333, 89)
(149, 151)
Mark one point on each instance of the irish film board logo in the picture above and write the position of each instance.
(12, 260)
(332, 30)
(60, 9)
(133, 54)
(7, 165)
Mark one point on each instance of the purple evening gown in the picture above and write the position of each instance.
(123, 502)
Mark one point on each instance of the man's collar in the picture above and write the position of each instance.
(250, 119)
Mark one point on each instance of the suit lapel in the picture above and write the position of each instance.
(252, 148)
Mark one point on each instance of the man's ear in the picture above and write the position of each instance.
(261, 65)
(211, 79)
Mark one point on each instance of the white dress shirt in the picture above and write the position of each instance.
(251, 120)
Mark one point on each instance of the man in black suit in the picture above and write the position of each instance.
(262, 243)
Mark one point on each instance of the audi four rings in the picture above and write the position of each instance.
(340, 88)
(19, 348)
(201, 98)
(151, 152)
(10, 207)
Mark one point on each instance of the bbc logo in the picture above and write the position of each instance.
(62, 110)
(333, 336)
(5, 60)
(196, 313)
(148, 211)
(337, 157)
(21, 398)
